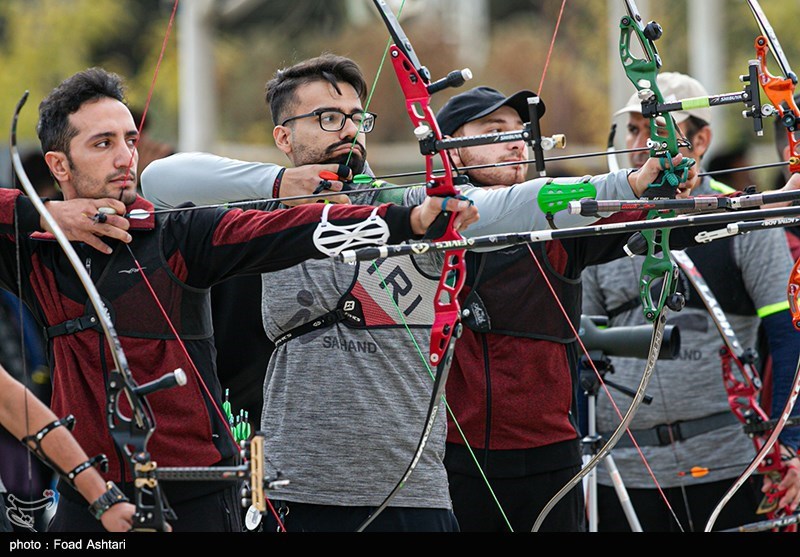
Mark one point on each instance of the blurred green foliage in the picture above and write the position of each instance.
(44, 41)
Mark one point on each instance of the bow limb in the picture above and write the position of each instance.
(611, 152)
(743, 388)
(780, 92)
(768, 460)
(655, 347)
(653, 351)
(140, 426)
(120, 361)
(657, 264)
(415, 83)
(613, 165)
(742, 398)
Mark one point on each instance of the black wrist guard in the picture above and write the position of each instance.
(107, 500)
(34, 444)
(100, 460)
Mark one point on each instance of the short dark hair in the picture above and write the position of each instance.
(327, 67)
(54, 129)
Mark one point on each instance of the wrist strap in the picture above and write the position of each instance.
(100, 460)
(36, 439)
(107, 500)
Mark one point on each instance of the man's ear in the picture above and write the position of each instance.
(701, 142)
(59, 166)
(283, 139)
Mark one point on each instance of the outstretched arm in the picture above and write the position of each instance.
(22, 414)
(207, 179)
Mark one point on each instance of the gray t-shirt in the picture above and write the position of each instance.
(344, 407)
(690, 386)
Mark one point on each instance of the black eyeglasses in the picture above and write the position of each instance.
(334, 120)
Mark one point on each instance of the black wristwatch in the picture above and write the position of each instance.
(107, 500)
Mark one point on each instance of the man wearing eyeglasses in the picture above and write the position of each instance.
(343, 405)
(300, 110)
(347, 388)
(334, 120)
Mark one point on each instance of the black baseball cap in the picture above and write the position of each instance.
(477, 103)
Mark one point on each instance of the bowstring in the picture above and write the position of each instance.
(150, 288)
(564, 312)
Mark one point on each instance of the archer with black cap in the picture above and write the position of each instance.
(483, 110)
(479, 102)
(512, 385)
